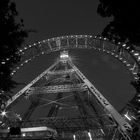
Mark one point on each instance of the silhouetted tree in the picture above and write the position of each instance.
(12, 36)
(125, 24)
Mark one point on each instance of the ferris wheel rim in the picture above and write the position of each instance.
(99, 38)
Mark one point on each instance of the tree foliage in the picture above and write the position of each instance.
(125, 22)
(12, 36)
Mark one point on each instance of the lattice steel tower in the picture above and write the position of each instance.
(73, 109)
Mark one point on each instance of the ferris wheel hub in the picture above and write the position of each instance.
(64, 55)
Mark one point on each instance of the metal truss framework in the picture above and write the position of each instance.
(111, 120)
(130, 58)
(122, 52)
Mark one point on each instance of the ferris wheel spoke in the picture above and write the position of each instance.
(55, 101)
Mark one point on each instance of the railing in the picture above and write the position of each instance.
(55, 89)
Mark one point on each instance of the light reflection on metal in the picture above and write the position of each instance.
(89, 134)
(127, 116)
(31, 129)
(102, 131)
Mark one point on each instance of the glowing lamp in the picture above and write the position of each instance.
(24, 134)
(3, 113)
(74, 137)
(136, 54)
(64, 55)
(124, 45)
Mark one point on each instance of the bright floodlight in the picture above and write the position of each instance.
(64, 55)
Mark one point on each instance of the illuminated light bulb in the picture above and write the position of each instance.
(119, 42)
(3, 62)
(30, 46)
(132, 51)
(74, 137)
(20, 50)
(124, 45)
(3, 113)
(23, 134)
(136, 78)
(12, 73)
(134, 72)
(25, 48)
(124, 61)
(131, 69)
(128, 48)
(7, 59)
(105, 38)
(128, 65)
(138, 58)
(136, 54)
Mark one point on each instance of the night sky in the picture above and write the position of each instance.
(52, 18)
(62, 17)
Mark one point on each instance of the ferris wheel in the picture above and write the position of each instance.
(121, 51)
(129, 58)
